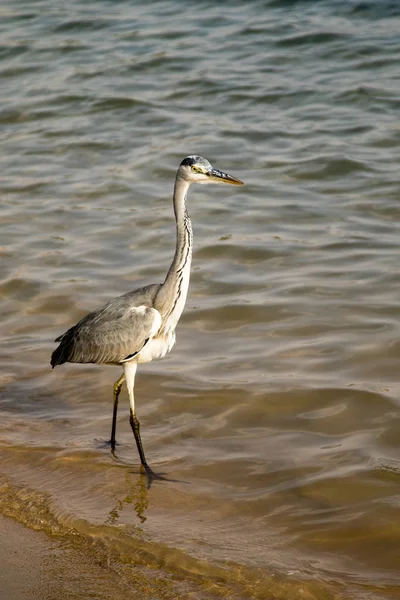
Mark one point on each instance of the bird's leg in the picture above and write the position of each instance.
(117, 389)
(136, 432)
(130, 372)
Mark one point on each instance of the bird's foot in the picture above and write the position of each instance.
(101, 443)
(108, 443)
(152, 476)
(112, 443)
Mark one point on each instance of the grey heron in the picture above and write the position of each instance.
(139, 326)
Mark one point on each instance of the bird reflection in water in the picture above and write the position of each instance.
(138, 497)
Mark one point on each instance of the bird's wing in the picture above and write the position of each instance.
(111, 334)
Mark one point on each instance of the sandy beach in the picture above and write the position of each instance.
(36, 567)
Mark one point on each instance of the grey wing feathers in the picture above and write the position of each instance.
(111, 333)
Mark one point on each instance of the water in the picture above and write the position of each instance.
(277, 413)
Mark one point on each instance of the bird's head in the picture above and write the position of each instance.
(196, 169)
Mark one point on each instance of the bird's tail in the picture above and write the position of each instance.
(57, 357)
(61, 354)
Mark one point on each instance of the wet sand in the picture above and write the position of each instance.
(21, 555)
(44, 558)
(36, 567)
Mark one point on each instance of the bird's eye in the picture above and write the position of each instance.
(194, 168)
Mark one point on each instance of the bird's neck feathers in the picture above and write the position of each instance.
(180, 195)
(172, 294)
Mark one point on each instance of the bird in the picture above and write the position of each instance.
(139, 326)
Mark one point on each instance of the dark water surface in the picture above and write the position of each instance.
(278, 411)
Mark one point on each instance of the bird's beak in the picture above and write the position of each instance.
(221, 177)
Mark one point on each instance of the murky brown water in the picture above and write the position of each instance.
(277, 414)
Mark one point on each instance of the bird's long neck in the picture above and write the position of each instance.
(173, 292)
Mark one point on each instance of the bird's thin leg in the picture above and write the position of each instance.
(130, 372)
(117, 389)
(136, 432)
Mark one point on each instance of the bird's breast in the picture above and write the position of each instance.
(157, 347)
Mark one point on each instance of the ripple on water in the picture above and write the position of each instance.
(277, 414)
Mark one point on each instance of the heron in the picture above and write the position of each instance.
(139, 326)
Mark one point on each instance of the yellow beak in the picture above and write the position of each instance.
(221, 177)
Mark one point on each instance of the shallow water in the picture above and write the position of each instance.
(277, 414)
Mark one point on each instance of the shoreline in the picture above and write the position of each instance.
(36, 567)
(83, 560)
